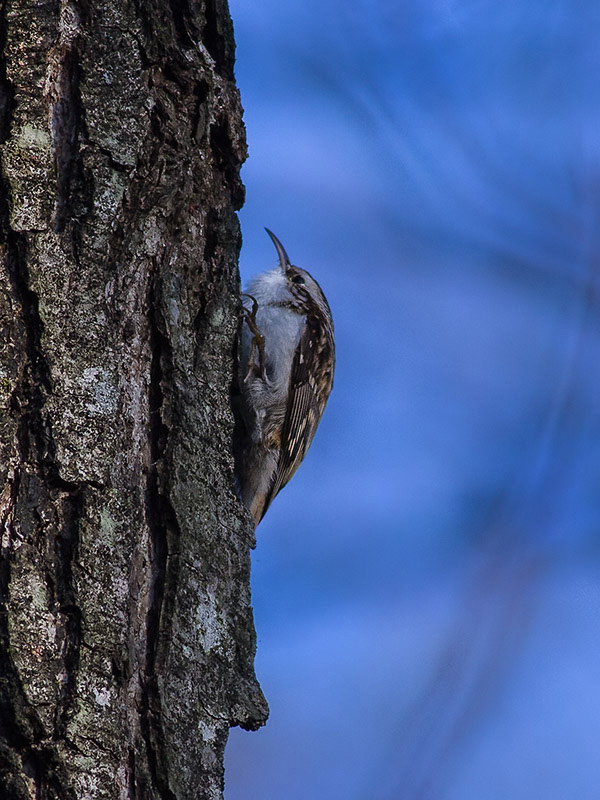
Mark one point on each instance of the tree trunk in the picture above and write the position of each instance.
(126, 633)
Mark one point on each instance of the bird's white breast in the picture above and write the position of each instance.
(280, 326)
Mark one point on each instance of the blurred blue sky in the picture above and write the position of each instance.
(426, 589)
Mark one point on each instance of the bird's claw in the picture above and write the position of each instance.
(258, 340)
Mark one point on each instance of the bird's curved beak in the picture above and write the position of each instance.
(284, 261)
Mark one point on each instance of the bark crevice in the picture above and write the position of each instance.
(218, 41)
(66, 122)
(164, 529)
(182, 17)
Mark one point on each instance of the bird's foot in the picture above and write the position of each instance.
(258, 341)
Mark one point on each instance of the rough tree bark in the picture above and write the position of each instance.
(126, 633)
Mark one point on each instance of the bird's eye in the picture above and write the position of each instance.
(298, 279)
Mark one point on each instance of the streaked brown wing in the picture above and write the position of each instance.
(303, 412)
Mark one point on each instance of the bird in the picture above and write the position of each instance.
(286, 366)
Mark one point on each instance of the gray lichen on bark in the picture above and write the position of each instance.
(126, 632)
